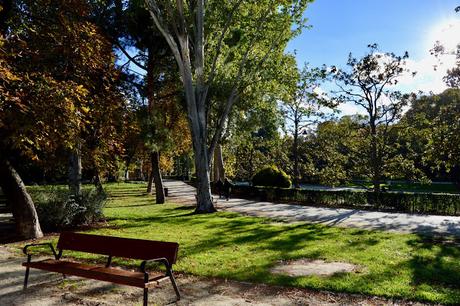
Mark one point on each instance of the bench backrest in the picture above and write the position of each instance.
(118, 247)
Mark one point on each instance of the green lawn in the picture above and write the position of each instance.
(228, 245)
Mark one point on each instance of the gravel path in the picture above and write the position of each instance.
(394, 222)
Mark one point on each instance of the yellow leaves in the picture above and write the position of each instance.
(81, 90)
(85, 109)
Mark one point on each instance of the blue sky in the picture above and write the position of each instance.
(343, 26)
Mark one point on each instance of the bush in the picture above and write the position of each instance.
(409, 202)
(271, 176)
(57, 208)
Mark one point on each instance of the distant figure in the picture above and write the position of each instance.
(219, 188)
(227, 188)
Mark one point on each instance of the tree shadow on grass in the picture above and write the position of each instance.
(432, 266)
(441, 268)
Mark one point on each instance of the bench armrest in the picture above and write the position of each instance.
(161, 260)
(25, 250)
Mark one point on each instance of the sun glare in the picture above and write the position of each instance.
(447, 32)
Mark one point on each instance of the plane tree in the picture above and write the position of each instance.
(369, 83)
(214, 38)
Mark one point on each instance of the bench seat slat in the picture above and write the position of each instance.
(113, 275)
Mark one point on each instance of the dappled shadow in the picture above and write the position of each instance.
(264, 245)
(125, 206)
(442, 268)
(396, 222)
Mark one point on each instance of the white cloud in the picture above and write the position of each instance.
(429, 74)
(348, 109)
(427, 79)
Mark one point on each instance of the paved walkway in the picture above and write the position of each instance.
(394, 222)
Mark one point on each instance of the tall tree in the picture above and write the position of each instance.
(368, 84)
(63, 69)
(149, 53)
(302, 110)
(245, 35)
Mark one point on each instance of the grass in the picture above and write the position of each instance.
(228, 245)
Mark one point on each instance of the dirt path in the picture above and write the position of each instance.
(50, 289)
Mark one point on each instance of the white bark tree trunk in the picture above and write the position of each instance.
(75, 171)
(22, 205)
(219, 170)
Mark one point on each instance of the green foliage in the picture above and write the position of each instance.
(271, 176)
(57, 208)
(431, 138)
(335, 150)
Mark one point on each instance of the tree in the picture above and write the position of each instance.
(302, 110)
(246, 35)
(61, 95)
(368, 84)
(452, 77)
(254, 140)
(334, 150)
(124, 22)
(26, 218)
(69, 48)
(433, 123)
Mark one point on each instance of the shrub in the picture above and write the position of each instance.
(271, 176)
(57, 208)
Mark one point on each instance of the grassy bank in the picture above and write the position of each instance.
(231, 246)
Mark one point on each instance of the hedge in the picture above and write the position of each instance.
(409, 202)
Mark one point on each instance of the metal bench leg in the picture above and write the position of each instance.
(173, 281)
(26, 278)
(146, 296)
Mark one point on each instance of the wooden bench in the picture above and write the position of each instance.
(146, 250)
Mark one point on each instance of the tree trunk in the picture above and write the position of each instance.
(141, 166)
(22, 206)
(219, 170)
(156, 173)
(150, 183)
(195, 95)
(295, 152)
(126, 174)
(98, 181)
(204, 202)
(375, 161)
(198, 127)
(75, 170)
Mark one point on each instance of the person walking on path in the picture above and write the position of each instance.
(227, 189)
